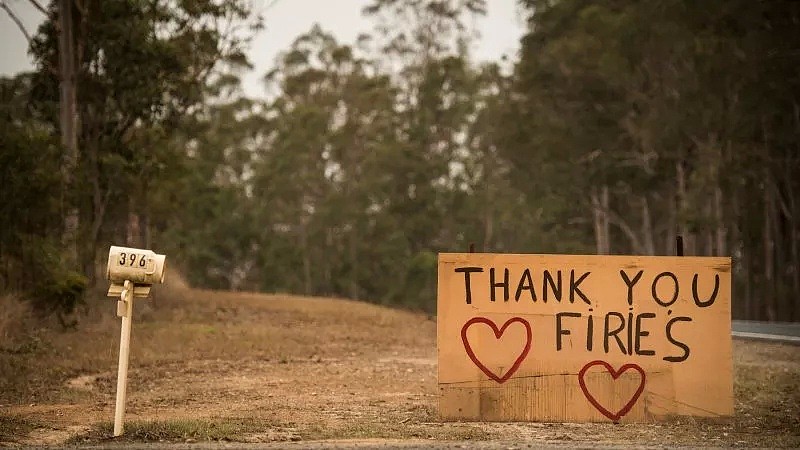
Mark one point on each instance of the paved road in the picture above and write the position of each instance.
(767, 331)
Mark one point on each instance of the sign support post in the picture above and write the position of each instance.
(124, 310)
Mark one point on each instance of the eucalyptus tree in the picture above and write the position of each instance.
(29, 204)
(643, 120)
(318, 172)
(139, 67)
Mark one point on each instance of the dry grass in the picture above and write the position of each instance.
(14, 427)
(179, 430)
(259, 368)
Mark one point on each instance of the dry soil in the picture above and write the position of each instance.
(250, 368)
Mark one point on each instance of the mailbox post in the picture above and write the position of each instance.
(131, 272)
(125, 307)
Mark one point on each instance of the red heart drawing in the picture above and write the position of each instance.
(497, 334)
(614, 374)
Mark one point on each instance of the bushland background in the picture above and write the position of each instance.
(618, 126)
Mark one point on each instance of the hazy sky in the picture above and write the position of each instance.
(285, 20)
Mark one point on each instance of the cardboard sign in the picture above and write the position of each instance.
(583, 338)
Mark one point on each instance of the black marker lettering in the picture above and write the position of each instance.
(711, 299)
(630, 283)
(630, 333)
(640, 333)
(525, 283)
(555, 288)
(608, 333)
(493, 285)
(560, 331)
(467, 271)
(674, 295)
(574, 289)
(676, 343)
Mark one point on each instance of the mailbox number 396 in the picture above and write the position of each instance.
(130, 259)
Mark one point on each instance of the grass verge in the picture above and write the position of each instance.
(14, 427)
(181, 430)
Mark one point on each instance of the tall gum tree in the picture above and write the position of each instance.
(137, 65)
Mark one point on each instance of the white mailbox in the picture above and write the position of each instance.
(134, 264)
(141, 267)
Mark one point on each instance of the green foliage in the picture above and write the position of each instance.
(28, 166)
(55, 287)
(143, 67)
(29, 174)
(649, 119)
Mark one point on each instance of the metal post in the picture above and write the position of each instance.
(679, 245)
(125, 310)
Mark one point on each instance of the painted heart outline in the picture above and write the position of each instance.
(497, 333)
(615, 416)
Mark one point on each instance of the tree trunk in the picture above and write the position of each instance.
(722, 230)
(306, 256)
(598, 225)
(327, 273)
(147, 237)
(69, 128)
(601, 223)
(647, 228)
(683, 208)
(133, 230)
(794, 223)
(707, 230)
(793, 235)
(781, 258)
(795, 275)
(738, 258)
(749, 314)
(489, 201)
(670, 241)
(144, 216)
(488, 228)
(768, 288)
(606, 223)
(99, 202)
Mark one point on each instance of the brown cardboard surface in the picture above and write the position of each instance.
(502, 358)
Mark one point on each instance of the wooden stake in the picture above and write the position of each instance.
(125, 310)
